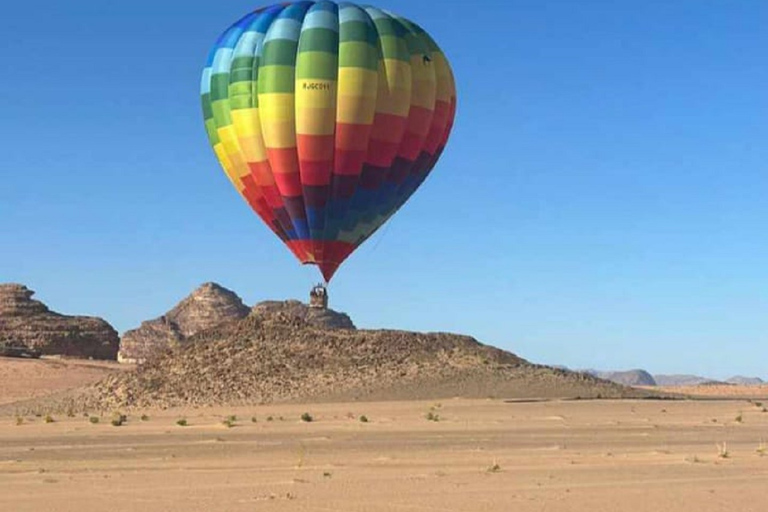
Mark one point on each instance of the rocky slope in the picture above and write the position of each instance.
(274, 356)
(29, 322)
(208, 306)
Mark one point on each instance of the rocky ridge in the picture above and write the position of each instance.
(271, 356)
(28, 322)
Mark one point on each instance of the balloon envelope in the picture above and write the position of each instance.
(326, 118)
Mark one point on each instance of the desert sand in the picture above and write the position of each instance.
(452, 455)
(717, 391)
(24, 379)
(481, 455)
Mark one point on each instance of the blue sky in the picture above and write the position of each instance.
(602, 201)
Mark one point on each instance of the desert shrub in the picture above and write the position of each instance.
(494, 468)
(431, 416)
(94, 419)
(49, 419)
(118, 419)
(182, 422)
(306, 417)
(363, 419)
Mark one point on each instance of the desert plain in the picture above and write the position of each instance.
(452, 455)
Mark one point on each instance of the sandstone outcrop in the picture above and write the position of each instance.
(28, 322)
(314, 317)
(208, 306)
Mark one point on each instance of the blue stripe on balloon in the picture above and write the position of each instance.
(289, 29)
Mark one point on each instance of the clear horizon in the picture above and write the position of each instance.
(600, 204)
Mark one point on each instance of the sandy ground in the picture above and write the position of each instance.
(22, 379)
(482, 455)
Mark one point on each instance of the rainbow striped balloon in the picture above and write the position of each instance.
(326, 118)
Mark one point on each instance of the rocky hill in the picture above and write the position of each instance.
(680, 380)
(274, 356)
(740, 380)
(208, 306)
(627, 378)
(30, 323)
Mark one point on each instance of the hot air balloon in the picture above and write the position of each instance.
(326, 118)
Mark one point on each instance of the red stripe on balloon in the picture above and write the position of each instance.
(289, 184)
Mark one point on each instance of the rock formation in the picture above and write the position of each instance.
(315, 317)
(28, 322)
(626, 378)
(208, 306)
(275, 358)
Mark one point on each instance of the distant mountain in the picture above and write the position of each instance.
(643, 378)
(745, 381)
(680, 380)
(627, 378)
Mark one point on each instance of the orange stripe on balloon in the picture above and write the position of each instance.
(283, 161)
(315, 147)
(352, 136)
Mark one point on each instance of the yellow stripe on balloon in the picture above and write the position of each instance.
(424, 84)
(394, 89)
(228, 137)
(279, 134)
(395, 101)
(315, 93)
(358, 82)
(443, 76)
(276, 106)
(226, 163)
(356, 109)
(397, 74)
(246, 122)
(253, 148)
(315, 121)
